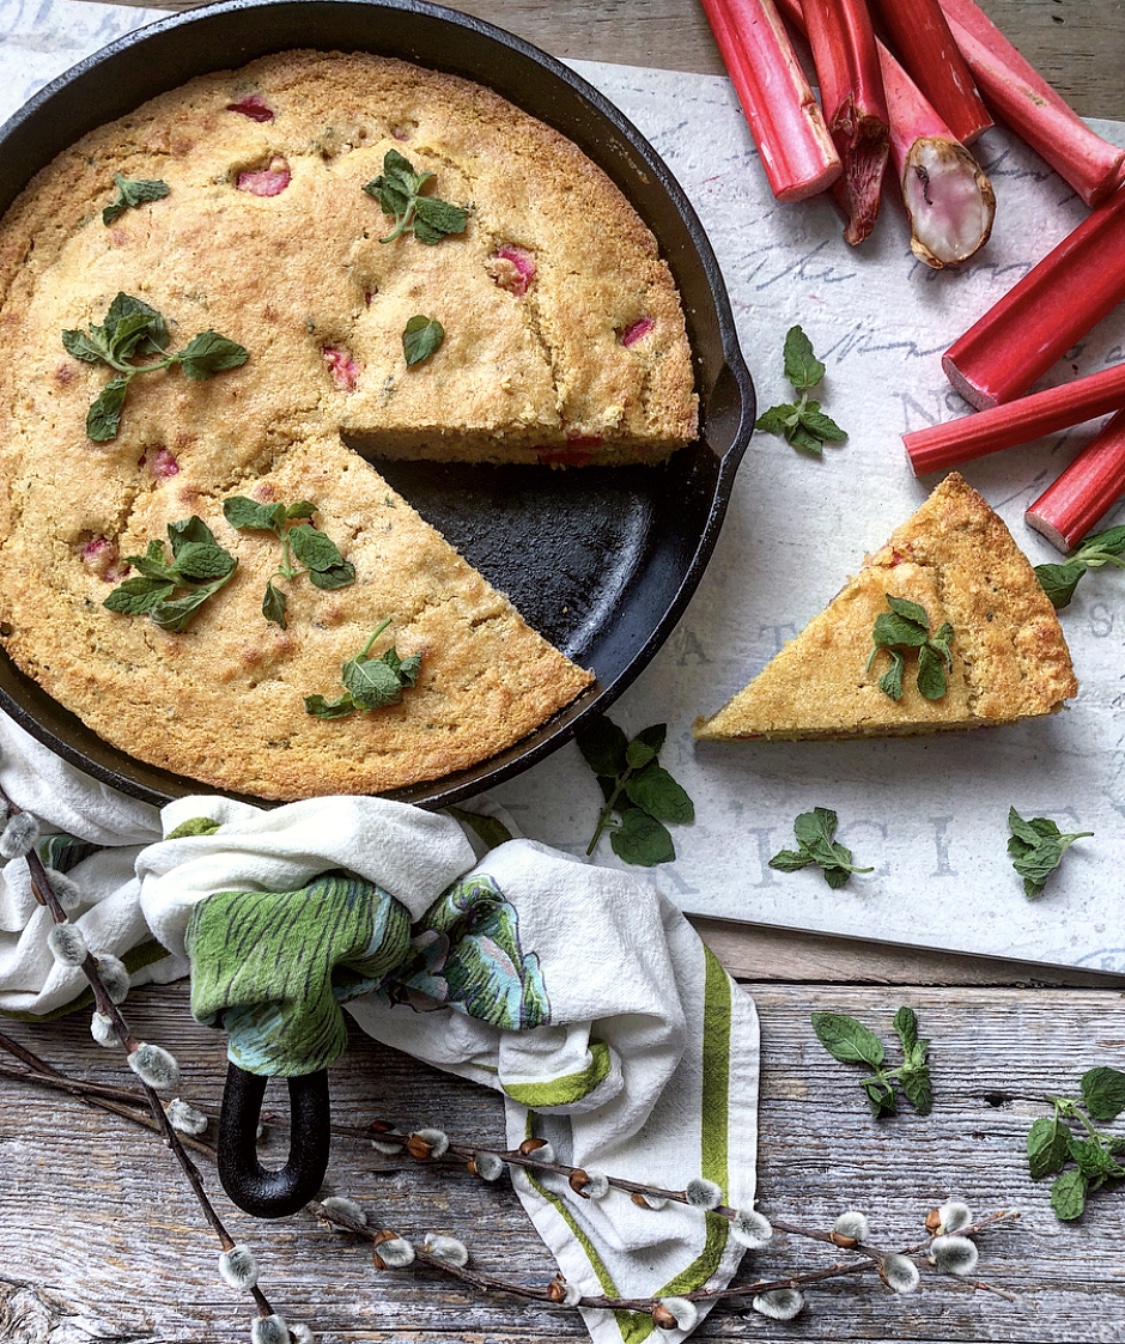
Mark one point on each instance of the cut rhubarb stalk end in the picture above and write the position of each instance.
(793, 142)
(254, 106)
(922, 39)
(344, 369)
(637, 331)
(1021, 97)
(949, 200)
(1045, 313)
(855, 106)
(270, 181)
(1085, 492)
(513, 268)
(942, 447)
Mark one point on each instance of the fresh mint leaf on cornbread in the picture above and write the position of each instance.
(132, 329)
(906, 626)
(300, 542)
(398, 189)
(133, 191)
(636, 788)
(420, 338)
(370, 681)
(802, 423)
(199, 568)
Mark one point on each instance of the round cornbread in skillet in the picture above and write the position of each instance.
(564, 343)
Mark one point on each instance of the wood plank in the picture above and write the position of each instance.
(98, 1228)
(1077, 44)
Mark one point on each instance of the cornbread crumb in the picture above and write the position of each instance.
(956, 559)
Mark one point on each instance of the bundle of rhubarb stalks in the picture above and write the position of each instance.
(913, 83)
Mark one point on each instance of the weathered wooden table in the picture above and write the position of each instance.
(100, 1239)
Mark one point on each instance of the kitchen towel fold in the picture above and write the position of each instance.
(578, 992)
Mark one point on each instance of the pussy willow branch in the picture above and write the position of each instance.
(45, 1074)
(45, 894)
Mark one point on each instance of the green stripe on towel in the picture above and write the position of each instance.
(566, 1090)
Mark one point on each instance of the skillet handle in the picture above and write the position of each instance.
(273, 1194)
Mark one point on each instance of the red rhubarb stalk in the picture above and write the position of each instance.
(949, 200)
(784, 118)
(941, 447)
(924, 44)
(1045, 313)
(1085, 492)
(855, 108)
(1017, 93)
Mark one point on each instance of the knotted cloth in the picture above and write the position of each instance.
(578, 992)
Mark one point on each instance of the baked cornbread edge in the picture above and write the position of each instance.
(1008, 644)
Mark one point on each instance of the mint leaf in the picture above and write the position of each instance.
(126, 335)
(133, 191)
(642, 840)
(802, 367)
(175, 614)
(302, 509)
(247, 515)
(314, 549)
(371, 683)
(188, 532)
(320, 708)
(421, 338)
(880, 1096)
(85, 346)
(1068, 1196)
(655, 791)
(907, 626)
(932, 683)
(1048, 1146)
(847, 1040)
(274, 606)
(209, 353)
(890, 683)
(339, 576)
(398, 190)
(1103, 1091)
(820, 427)
(603, 746)
(906, 1028)
(1059, 581)
(136, 596)
(790, 861)
(778, 419)
(490, 830)
(199, 568)
(103, 419)
(1037, 847)
(814, 832)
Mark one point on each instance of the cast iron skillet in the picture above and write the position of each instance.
(601, 561)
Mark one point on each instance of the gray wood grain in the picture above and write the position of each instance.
(102, 1240)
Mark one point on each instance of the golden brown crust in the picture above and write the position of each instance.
(301, 280)
(955, 558)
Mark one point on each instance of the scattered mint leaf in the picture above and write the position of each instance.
(324, 564)
(420, 338)
(802, 423)
(1103, 1091)
(371, 682)
(398, 190)
(851, 1042)
(814, 831)
(131, 330)
(133, 191)
(1068, 1196)
(199, 568)
(1048, 1147)
(1060, 580)
(1037, 847)
(907, 626)
(637, 789)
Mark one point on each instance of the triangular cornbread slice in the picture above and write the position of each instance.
(956, 559)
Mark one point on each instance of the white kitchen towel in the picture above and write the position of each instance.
(640, 1059)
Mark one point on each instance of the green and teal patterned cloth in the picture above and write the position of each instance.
(579, 993)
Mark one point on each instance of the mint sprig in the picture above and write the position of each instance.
(421, 338)
(1037, 847)
(171, 593)
(370, 682)
(1060, 580)
(851, 1042)
(398, 189)
(132, 330)
(301, 544)
(906, 626)
(814, 832)
(802, 423)
(1052, 1143)
(638, 792)
(133, 191)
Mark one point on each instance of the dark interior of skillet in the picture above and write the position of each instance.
(600, 561)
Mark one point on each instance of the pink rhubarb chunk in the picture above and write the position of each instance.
(102, 556)
(270, 181)
(576, 452)
(161, 463)
(637, 332)
(344, 369)
(254, 106)
(513, 269)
